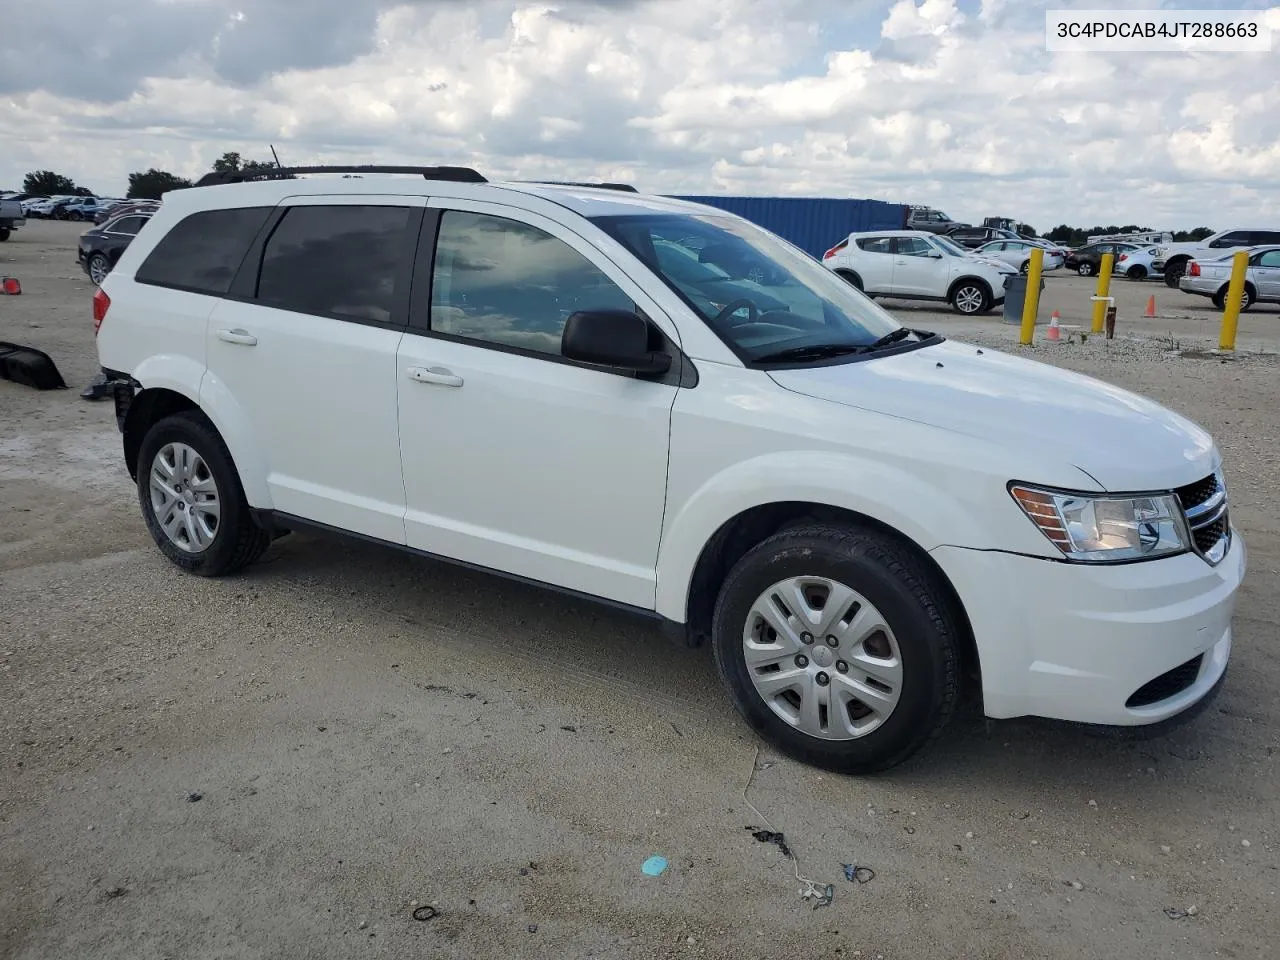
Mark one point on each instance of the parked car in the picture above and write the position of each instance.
(851, 511)
(120, 207)
(1172, 259)
(974, 237)
(1017, 253)
(100, 247)
(1138, 263)
(85, 208)
(931, 220)
(11, 218)
(1087, 260)
(915, 265)
(1211, 278)
(43, 209)
(30, 202)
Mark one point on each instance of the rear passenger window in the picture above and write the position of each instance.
(509, 283)
(338, 261)
(203, 251)
(875, 244)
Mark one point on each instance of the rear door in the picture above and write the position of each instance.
(305, 350)
(874, 263)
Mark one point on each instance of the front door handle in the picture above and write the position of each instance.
(438, 375)
(238, 335)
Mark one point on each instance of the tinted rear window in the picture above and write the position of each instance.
(203, 251)
(339, 261)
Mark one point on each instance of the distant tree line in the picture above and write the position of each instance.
(1074, 236)
(149, 184)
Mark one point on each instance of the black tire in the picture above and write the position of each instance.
(850, 277)
(914, 604)
(1137, 272)
(1246, 298)
(957, 297)
(1025, 268)
(102, 262)
(1086, 269)
(76, 215)
(1173, 272)
(238, 541)
(4, 234)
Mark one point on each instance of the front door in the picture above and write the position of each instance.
(309, 356)
(516, 459)
(916, 269)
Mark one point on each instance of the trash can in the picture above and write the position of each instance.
(1015, 295)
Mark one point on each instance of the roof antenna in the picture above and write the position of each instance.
(274, 155)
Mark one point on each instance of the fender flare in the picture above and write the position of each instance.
(184, 376)
(925, 515)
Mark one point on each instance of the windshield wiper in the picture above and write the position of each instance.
(893, 336)
(819, 351)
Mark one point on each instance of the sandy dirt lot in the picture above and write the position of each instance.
(368, 732)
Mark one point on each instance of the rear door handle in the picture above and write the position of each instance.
(438, 375)
(238, 335)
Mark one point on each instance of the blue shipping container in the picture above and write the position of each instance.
(814, 224)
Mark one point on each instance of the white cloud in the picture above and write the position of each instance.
(951, 102)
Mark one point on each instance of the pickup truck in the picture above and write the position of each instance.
(11, 217)
(1171, 259)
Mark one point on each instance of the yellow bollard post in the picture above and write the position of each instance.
(1104, 290)
(1235, 299)
(1031, 302)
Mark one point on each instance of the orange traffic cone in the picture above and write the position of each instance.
(1151, 306)
(1055, 329)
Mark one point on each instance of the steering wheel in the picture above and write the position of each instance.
(732, 308)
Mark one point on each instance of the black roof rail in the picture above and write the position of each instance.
(458, 174)
(624, 187)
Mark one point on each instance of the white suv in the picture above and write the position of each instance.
(529, 378)
(916, 265)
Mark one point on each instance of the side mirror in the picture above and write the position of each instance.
(934, 255)
(612, 338)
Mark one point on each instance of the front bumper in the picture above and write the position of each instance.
(1202, 286)
(1114, 645)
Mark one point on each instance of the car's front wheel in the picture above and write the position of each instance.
(970, 297)
(192, 499)
(1086, 269)
(838, 646)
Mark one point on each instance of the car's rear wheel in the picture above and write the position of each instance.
(4, 234)
(1137, 272)
(1173, 272)
(1086, 269)
(1025, 268)
(1246, 298)
(838, 646)
(192, 500)
(970, 297)
(850, 277)
(98, 268)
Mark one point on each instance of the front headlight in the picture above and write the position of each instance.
(1097, 528)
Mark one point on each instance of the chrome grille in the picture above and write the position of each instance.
(1205, 505)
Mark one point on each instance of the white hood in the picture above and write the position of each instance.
(1124, 441)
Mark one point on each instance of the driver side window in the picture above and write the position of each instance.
(504, 282)
(912, 247)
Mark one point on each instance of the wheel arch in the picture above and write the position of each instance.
(850, 275)
(970, 278)
(751, 526)
(163, 396)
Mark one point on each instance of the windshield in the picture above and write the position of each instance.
(760, 294)
(949, 247)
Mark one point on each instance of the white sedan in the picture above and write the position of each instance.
(1017, 253)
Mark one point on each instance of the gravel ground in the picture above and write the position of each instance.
(289, 762)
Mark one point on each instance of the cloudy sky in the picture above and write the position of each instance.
(954, 103)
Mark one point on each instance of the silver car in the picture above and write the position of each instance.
(1017, 253)
(1210, 278)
